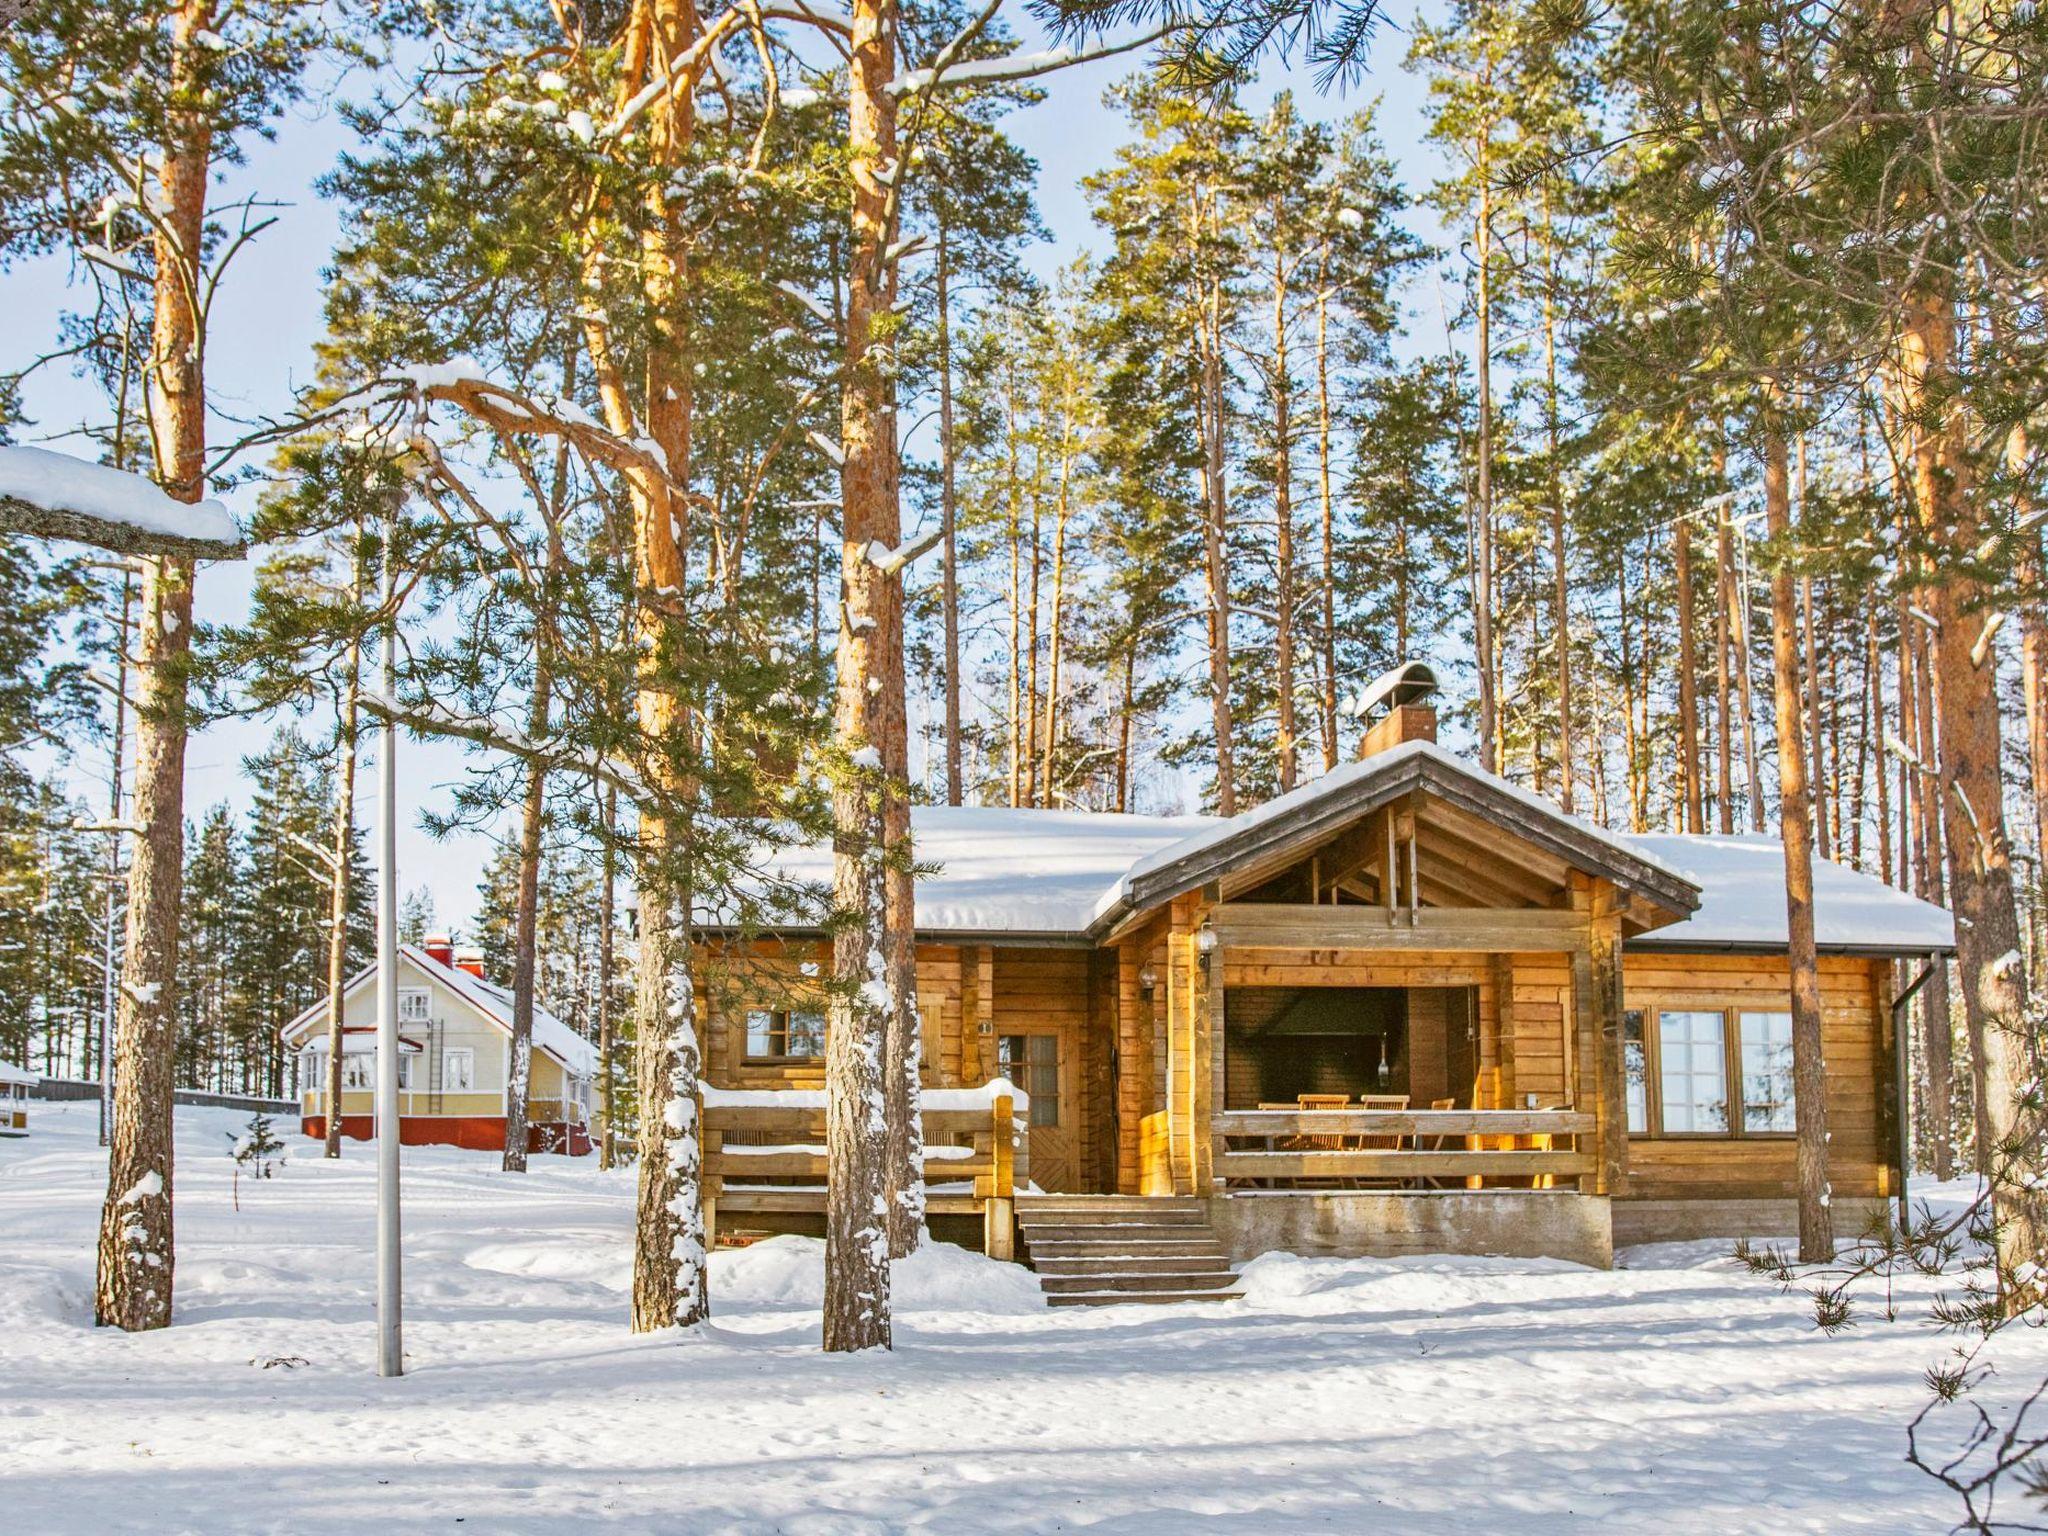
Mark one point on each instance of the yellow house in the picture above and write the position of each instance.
(455, 1045)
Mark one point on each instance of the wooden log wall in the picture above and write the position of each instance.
(1856, 1040)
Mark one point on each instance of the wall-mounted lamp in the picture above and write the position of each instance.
(1147, 979)
(1205, 941)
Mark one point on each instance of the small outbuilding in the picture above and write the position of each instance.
(16, 1084)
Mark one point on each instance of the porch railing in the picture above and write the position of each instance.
(764, 1151)
(1402, 1148)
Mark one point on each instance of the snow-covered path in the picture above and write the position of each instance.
(1681, 1395)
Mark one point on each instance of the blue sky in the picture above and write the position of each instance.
(268, 319)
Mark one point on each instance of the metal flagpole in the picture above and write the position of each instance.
(390, 1327)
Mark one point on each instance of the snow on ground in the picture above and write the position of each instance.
(1434, 1395)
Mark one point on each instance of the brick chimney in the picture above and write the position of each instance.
(1404, 722)
(440, 948)
(1396, 708)
(470, 960)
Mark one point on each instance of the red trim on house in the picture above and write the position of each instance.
(480, 1133)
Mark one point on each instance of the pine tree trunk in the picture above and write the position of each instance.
(856, 1311)
(1724, 602)
(338, 877)
(607, 918)
(1328, 700)
(1688, 684)
(2033, 675)
(1817, 759)
(526, 927)
(137, 1254)
(1745, 693)
(1286, 744)
(1210, 408)
(1795, 817)
(1561, 571)
(1874, 674)
(949, 518)
(1483, 594)
(1920, 833)
(1988, 955)
(1061, 512)
(669, 1283)
(1033, 718)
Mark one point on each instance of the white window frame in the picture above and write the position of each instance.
(407, 997)
(467, 1054)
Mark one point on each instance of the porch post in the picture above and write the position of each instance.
(1133, 1057)
(1597, 1000)
(1190, 1057)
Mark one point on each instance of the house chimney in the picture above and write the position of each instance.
(440, 948)
(1396, 708)
(470, 960)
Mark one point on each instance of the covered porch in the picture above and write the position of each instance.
(1388, 1018)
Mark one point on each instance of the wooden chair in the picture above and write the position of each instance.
(1324, 1143)
(1436, 1144)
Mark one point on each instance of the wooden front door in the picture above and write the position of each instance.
(1037, 1062)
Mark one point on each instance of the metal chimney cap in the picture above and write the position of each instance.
(1409, 683)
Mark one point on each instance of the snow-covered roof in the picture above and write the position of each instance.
(494, 1002)
(1068, 875)
(550, 1034)
(1023, 872)
(1350, 783)
(1742, 901)
(9, 1073)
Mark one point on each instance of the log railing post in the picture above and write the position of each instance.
(998, 1211)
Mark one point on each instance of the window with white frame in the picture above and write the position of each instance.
(359, 1070)
(1707, 1071)
(415, 1005)
(458, 1070)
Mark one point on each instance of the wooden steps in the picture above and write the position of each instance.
(1103, 1250)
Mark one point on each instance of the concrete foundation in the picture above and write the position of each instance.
(1510, 1223)
(1676, 1221)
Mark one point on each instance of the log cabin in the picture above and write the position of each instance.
(1408, 1007)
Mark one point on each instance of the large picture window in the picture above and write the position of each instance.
(1708, 1071)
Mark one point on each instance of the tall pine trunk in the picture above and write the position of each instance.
(1988, 958)
(857, 1131)
(1561, 571)
(1795, 818)
(526, 927)
(1688, 684)
(1328, 637)
(137, 1255)
(1209, 414)
(669, 1279)
(949, 522)
(607, 918)
(1483, 595)
(1286, 745)
(338, 873)
(1920, 824)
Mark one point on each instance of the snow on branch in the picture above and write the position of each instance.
(1982, 648)
(889, 561)
(431, 718)
(1016, 66)
(54, 496)
(827, 447)
(463, 384)
(809, 303)
(681, 70)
